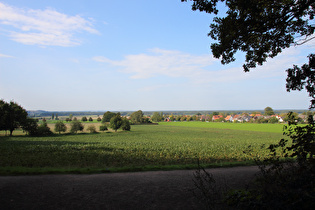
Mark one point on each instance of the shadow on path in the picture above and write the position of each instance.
(138, 190)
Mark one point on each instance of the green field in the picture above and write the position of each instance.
(165, 146)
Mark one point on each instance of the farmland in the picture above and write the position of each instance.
(175, 145)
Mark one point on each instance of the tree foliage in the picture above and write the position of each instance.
(125, 126)
(43, 130)
(103, 128)
(76, 126)
(30, 127)
(60, 127)
(304, 77)
(157, 117)
(262, 29)
(269, 111)
(115, 122)
(12, 116)
(137, 117)
(107, 116)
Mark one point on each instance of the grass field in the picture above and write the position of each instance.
(175, 145)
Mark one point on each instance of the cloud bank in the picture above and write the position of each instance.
(43, 27)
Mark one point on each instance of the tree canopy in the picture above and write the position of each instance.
(262, 29)
(269, 111)
(137, 117)
(115, 122)
(12, 116)
(107, 116)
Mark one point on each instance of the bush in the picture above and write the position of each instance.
(92, 129)
(43, 130)
(273, 120)
(99, 119)
(103, 128)
(285, 184)
(83, 119)
(91, 119)
(125, 125)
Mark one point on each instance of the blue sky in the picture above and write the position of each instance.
(58, 55)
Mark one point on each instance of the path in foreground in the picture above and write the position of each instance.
(139, 190)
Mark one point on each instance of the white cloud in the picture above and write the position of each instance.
(199, 69)
(5, 56)
(160, 63)
(43, 27)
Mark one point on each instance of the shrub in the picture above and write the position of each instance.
(92, 129)
(91, 119)
(43, 130)
(103, 128)
(84, 119)
(125, 125)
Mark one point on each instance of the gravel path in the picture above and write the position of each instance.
(138, 190)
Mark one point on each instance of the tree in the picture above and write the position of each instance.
(262, 29)
(84, 119)
(76, 126)
(43, 130)
(90, 119)
(107, 116)
(3, 112)
(137, 117)
(298, 78)
(115, 122)
(157, 117)
(30, 127)
(60, 127)
(125, 126)
(269, 111)
(12, 116)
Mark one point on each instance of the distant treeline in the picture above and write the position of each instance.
(42, 113)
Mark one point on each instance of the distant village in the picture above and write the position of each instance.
(241, 118)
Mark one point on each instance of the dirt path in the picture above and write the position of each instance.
(139, 190)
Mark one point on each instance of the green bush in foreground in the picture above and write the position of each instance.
(282, 183)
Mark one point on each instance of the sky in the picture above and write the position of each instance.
(100, 55)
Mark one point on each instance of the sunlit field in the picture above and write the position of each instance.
(177, 145)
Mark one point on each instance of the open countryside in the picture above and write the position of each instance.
(168, 145)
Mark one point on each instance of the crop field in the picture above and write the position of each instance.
(165, 146)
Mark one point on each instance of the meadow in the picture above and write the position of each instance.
(167, 146)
